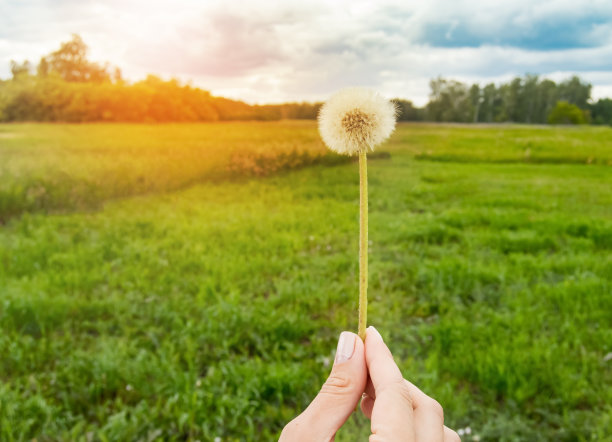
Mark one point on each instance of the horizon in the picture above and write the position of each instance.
(279, 52)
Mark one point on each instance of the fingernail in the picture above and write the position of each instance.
(375, 331)
(346, 347)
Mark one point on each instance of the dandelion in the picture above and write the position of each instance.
(352, 122)
(355, 120)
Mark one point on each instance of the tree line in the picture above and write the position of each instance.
(529, 99)
(65, 86)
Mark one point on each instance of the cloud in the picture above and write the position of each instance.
(220, 42)
(565, 33)
(552, 25)
(269, 51)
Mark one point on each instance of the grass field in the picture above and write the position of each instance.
(209, 306)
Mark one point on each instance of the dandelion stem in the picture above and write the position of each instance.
(363, 243)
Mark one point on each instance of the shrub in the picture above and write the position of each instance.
(566, 113)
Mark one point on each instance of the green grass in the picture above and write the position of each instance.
(54, 168)
(59, 167)
(213, 311)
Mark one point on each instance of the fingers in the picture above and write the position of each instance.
(392, 411)
(429, 421)
(398, 409)
(369, 390)
(367, 403)
(450, 435)
(428, 415)
(338, 396)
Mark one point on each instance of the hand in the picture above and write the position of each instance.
(338, 396)
(399, 411)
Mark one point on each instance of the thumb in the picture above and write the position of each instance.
(338, 396)
(392, 413)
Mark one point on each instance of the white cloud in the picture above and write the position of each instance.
(271, 51)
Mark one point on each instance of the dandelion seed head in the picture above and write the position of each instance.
(356, 119)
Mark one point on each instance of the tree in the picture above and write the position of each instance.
(490, 103)
(601, 111)
(574, 91)
(70, 62)
(43, 67)
(117, 75)
(513, 100)
(547, 94)
(449, 100)
(476, 100)
(531, 98)
(20, 69)
(406, 111)
(567, 113)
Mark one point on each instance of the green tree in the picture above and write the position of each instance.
(491, 103)
(476, 99)
(601, 111)
(530, 98)
(513, 100)
(547, 98)
(574, 91)
(567, 113)
(449, 100)
(406, 111)
(298, 111)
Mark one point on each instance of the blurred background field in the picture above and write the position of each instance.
(59, 167)
(184, 282)
(50, 167)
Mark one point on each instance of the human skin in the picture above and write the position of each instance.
(398, 410)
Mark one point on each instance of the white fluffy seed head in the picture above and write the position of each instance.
(355, 119)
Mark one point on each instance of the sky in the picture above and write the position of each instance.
(269, 51)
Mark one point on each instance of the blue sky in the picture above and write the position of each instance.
(271, 51)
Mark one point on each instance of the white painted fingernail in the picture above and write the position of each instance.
(371, 327)
(346, 347)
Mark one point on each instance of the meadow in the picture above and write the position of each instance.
(189, 282)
